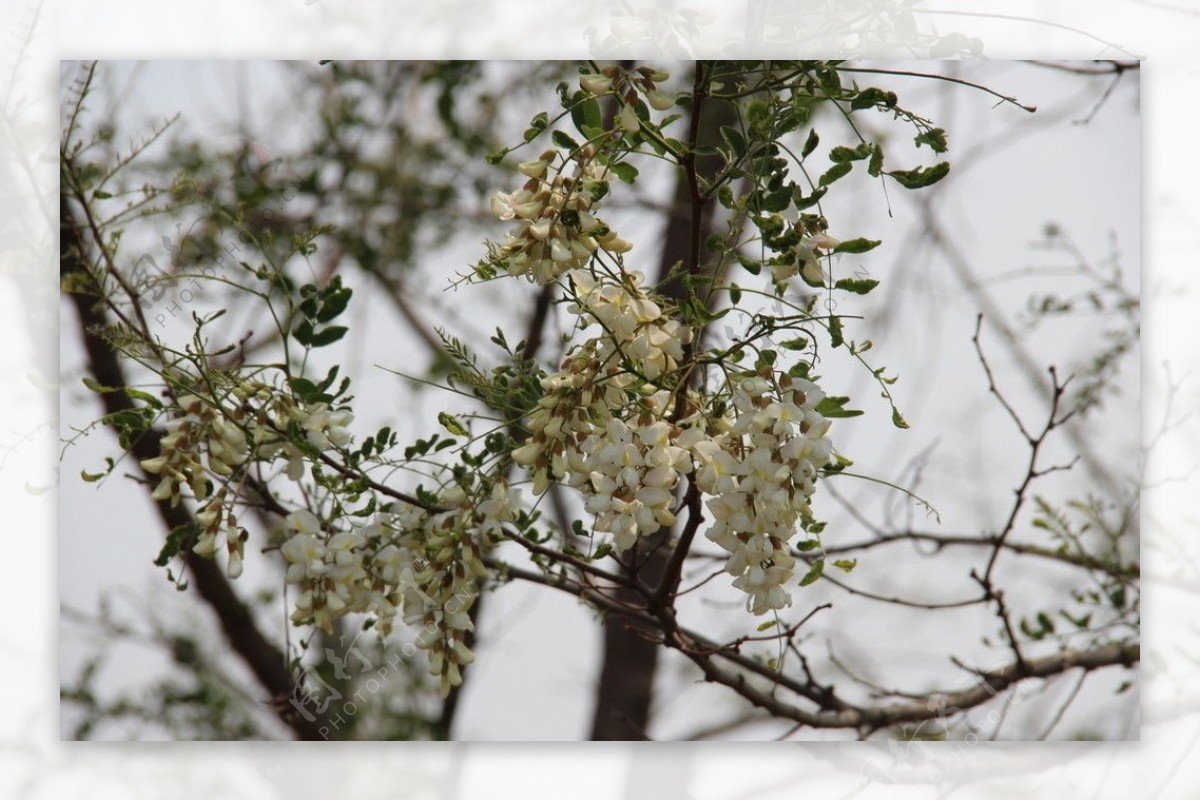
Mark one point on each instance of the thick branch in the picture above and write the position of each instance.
(721, 664)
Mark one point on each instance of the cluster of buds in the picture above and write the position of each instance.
(199, 440)
(208, 443)
(555, 229)
(338, 573)
(203, 442)
(628, 85)
(800, 244)
(219, 524)
(577, 400)
(443, 551)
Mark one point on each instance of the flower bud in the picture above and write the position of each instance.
(559, 252)
(812, 273)
(659, 100)
(595, 84)
(534, 169)
(615, 244)
(234, 568)
(629, 119)
(540, 229)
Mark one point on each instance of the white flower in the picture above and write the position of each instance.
(305, 555)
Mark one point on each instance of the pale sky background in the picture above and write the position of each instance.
(33, 762)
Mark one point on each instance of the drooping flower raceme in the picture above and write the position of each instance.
(210, 440)
(425, 565)
(760, 473)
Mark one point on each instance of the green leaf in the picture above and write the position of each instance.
(451, 424)
(845, 565)
(872, 96)
(834, 406)
(935, 139)
(810, 144)
(304, 389)
(757, 113)
(564, 141)
(835, 172)
(898, 420)
(751, 265)
(815, 572)
(626, 172)
(145, 397)
(334, 302)
(835, 331)
(328, 336)
(803, 202)
(585, 111)
(799, 343)
(180, 539)
(857, 286)
(91, 477)
(842, 153)
(734, 138)
(96, 386)
(921, 176)
(303, 332)
(859, 245)
(735, 294)
(768, 624)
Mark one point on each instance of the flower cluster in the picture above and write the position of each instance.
(633, 474)
(759, 468)
(643, 80)
(423, 563)
(555, 229)
(208, 444)
(593, 430)
(757, 461)
(202, 441)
